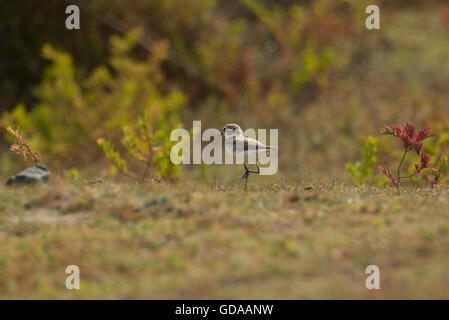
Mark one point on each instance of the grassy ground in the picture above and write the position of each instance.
(197, 241)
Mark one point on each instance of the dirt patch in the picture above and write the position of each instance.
(49, 216)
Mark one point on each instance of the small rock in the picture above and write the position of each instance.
(308, 187)
(30, 175)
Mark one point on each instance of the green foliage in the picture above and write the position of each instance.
(361, 171)
(443, 164)
(149, 141)
(439, 172)
(113, 156)
(72, 174)
(439, 152)
(74, 110)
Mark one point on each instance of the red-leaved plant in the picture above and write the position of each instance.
(412, 141)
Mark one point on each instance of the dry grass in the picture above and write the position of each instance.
(197, 241)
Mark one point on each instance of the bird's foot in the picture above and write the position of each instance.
(247, 172)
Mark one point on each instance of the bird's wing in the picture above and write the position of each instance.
(245, 144)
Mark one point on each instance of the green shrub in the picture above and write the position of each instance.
(361, 171)
(74, 110)
(149, 141)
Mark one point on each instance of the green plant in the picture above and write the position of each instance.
(72, 174)
(113, 156)
(149, 141)
(439, 153)
(361, 171)
(437, 173)
(75, 109)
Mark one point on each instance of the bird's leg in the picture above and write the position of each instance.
(253, 171)
(258, 169)
(247, 172)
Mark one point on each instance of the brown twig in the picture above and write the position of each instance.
(21, 148)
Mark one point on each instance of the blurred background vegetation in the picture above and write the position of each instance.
(309, 68)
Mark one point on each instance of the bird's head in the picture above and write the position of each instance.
(231, 130)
